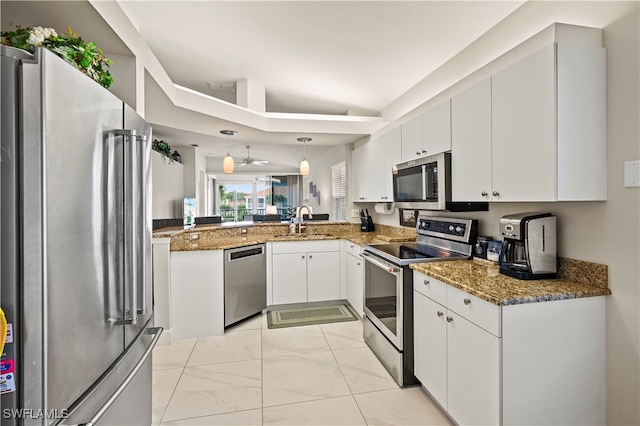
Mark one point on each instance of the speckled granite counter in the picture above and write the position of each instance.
(220, 237)
(482, 279)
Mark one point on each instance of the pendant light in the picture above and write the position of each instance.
(228, 164)
(304, 165)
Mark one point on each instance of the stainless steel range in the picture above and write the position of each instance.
(388, 287)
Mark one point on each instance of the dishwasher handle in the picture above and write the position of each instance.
(244, 252)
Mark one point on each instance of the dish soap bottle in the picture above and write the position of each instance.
(292, 227)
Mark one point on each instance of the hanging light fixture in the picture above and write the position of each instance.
(228, 164)
(304, 165)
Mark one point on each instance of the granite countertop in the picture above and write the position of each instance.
(482, 279)
(216, 237)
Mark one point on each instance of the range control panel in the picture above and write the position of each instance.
(453, 229)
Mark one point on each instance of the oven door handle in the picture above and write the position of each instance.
(389, 267)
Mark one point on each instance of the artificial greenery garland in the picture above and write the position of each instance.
(86, 57)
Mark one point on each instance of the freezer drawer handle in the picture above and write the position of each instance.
(155, 330)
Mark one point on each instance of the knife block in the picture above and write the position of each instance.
(366, 224)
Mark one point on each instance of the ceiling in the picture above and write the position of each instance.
(320, 57)
(335, 71)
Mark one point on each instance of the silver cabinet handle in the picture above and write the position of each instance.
(496, 193)
(449, 319)
(424, 151)
(303, 256)
(358, 263)
(417, 152)
(440, 314)
(426, 282)
(310, 257)
(467, 301)
(484, 193)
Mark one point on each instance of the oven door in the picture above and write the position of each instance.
(383, 296)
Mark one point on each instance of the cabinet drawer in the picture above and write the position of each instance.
(478, 311)
(434, 289)
(353, 248)
(305, 246)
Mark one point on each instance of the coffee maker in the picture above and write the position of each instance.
(529, 246)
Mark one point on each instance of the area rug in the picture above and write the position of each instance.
(312, 315)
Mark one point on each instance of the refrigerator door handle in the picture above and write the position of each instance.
(134, 273)
(141, 184)
(156, 331)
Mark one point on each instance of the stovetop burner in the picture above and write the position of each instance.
(406, 253)
(437, 239)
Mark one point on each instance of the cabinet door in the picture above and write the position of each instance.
(430, 346)
(392, 155)
(289, 278)
(471, 143)
(524, 129)
(412, 138)
(473, 373)
(323, 276)
(368, 163)
(436, 129)
(355, 291)
(359, 161)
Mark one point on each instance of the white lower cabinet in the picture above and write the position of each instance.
(534, 363)
(355, 290)
(457, 362)
(306, 271)
(197, 293)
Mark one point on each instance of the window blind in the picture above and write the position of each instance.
(339, 191)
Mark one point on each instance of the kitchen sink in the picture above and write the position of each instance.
(299, 236)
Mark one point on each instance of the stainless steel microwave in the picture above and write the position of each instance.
(425, 184)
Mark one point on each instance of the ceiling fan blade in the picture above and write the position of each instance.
(260, 162)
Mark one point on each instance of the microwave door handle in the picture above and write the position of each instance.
(424, 182)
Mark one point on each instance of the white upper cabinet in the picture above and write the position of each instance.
(471, 143)
(428, 133)
(372, 164)
(412, 139)
(534, 131)
(523, 123)
(436, 129)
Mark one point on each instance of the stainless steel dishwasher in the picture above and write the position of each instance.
(245, 282)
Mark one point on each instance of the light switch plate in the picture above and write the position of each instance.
(355, 213)
(632, 174)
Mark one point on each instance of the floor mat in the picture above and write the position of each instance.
(295, 317)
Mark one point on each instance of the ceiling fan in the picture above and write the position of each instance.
(249, 161)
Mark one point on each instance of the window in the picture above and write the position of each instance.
(339, 191)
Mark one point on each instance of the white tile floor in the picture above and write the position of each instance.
(313, 375)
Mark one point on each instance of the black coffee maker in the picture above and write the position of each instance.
(529, 246)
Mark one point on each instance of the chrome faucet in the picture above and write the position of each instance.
(300, 216)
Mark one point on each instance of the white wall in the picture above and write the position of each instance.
(605, 232)
(320, 175)
(167, 187)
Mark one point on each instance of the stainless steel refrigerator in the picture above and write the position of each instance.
(75, 251)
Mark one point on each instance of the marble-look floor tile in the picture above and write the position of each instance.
(164, 383)
(240, 345)
(363, 371)
(300, 378)
(215, 389)
(254, 323)
(174, 355)
(402, 406)
(247, 417)
(292, 341)
(342, 410)
(344, 335)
